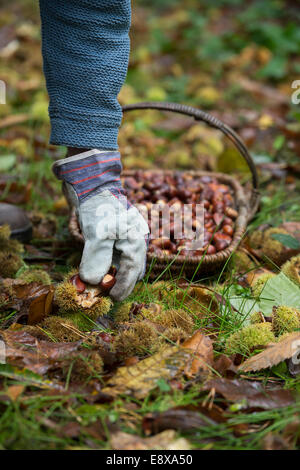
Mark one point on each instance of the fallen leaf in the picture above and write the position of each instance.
(33, 301)
(14, 391)
(275, 442)
(225, 366)
(252, 394)
(178, 419)
(165, 440)
(39, 357)
(7, 162)
(202, 359)
(29, 377)
(13, 192)
(274, 354)
(279, 290)
(170, 361)
(139, 379)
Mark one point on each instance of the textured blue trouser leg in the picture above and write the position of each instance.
(85, 46)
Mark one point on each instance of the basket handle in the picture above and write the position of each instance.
(212, 121)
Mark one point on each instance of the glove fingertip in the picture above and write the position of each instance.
(89, 276)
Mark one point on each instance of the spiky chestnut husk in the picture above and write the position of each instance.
(3, 300)
(198, 301)
(270, 247)
(10, 263)
(140, 339)
(257, 317)
(177, 318)
(4, 232)
(256, 239)
(35, 331)
(285, 320)
(65, 297)
(85, 367)
(6, 243)
(240, 262)
(160, 290)
(282, 337)
(81, 320)
(175, 334)
(259, 283)
(292, 269)
(151, 312)
(121, 314)
(60, 329)
(248, 338)
(35, 275)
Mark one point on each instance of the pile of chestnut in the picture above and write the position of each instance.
(148, 188)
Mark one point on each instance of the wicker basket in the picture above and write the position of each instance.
(246, 203)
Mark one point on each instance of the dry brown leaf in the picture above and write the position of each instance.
(183, 420)
(139, 379)
(273, 354)
(252, 394)
(169, 362)
(14, 391)
(202, 359)
(251, 277)
(34, 301)
(165, 440)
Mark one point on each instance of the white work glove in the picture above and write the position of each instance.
(114, 231)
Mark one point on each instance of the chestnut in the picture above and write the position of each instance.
(78, 283)
(107, 283)
(228, 229)
(175, 190)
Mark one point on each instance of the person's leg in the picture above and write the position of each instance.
(85, 52)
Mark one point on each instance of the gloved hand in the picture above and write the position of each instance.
(114, 231)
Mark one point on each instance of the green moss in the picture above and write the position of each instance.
(248, 338)
(285, 320)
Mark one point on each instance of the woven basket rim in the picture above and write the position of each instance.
(241, 205)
